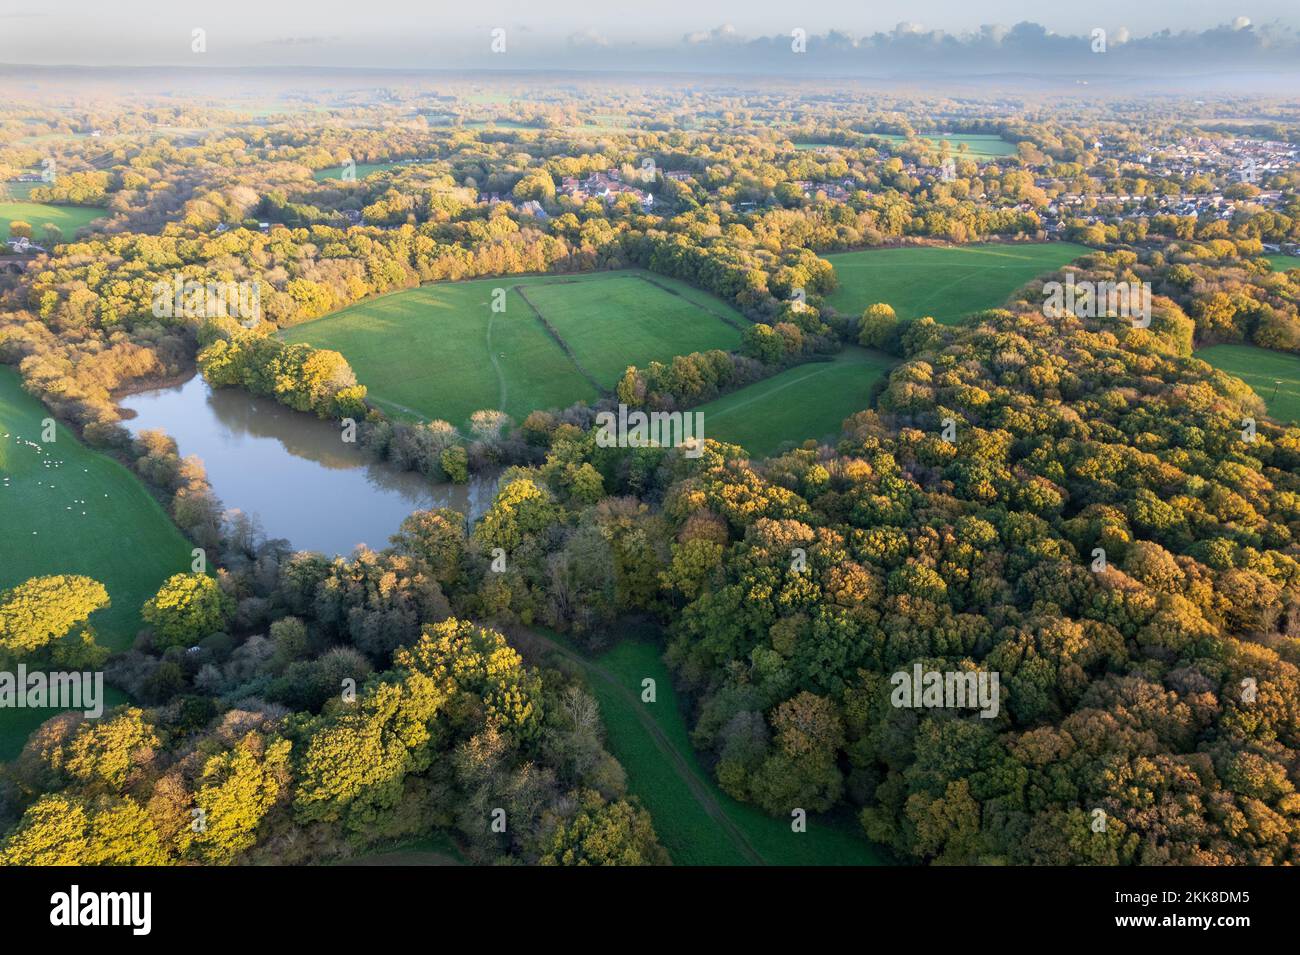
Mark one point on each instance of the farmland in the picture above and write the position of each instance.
(1275, 376)
(440, 351)
(944, 282)
(36, 214)
(85, 514)
(807, 401)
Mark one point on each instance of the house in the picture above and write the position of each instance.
(534, 208)
(24, 245)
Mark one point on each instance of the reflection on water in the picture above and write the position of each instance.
(292, 470)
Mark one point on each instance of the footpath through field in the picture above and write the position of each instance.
(697, 822)
(679, 761)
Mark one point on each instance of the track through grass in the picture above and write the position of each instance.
(440, 351)
(697, 822)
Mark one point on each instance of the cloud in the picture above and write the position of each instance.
(300, 40)
(718, 35)
(587, 39)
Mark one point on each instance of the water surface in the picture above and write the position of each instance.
(293, 471)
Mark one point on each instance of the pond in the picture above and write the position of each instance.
(292, 471)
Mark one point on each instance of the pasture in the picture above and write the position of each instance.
(65, 509)
(440, 351)
(944, 282)
(617, 319)
(1274, 375)
(36, 214)
(1284, 263)
(807, 401)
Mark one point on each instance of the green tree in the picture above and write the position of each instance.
(617, 833)
(45, 609)
(187, 608)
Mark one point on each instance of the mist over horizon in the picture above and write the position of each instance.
(1174, 48)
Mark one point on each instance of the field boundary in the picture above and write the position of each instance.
(559, 340)
(704, 308)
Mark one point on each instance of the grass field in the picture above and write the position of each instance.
(944, 282)
(618, 319)
(124, 539)
(978, 145)
(679, 793)
(17, 191)
(807, 401)
(439, 351)
(1284, 263)
(36, 214)
(363, 169)
(1274, 375)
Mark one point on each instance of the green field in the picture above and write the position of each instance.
(364, 169)
(124, 539)
(944, 282)
(17, 191)
(665, 774)
(36, 214)
(1274, 375)
(807, 401)
(439, 351)
(618, 319)
(1284, 263)
(978, 145)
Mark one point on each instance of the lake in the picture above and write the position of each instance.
(293, 471)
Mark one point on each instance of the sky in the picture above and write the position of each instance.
(556, 33)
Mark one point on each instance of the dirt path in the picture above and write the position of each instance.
(680, 762)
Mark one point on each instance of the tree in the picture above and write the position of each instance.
(522, 508)
(187, 608)
(238, 788)
(617, 833)
(878, 328)
(61, 829)
(764, 343)
(42, 610)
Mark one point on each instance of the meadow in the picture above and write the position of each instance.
(617, 319)
(363, 170)
(1274, 375)
(978, 145)
(1284, 263)
(696, 821)
(36, 214)
(944, 282)
(85, 514)
(440, 351)
(807, 401)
